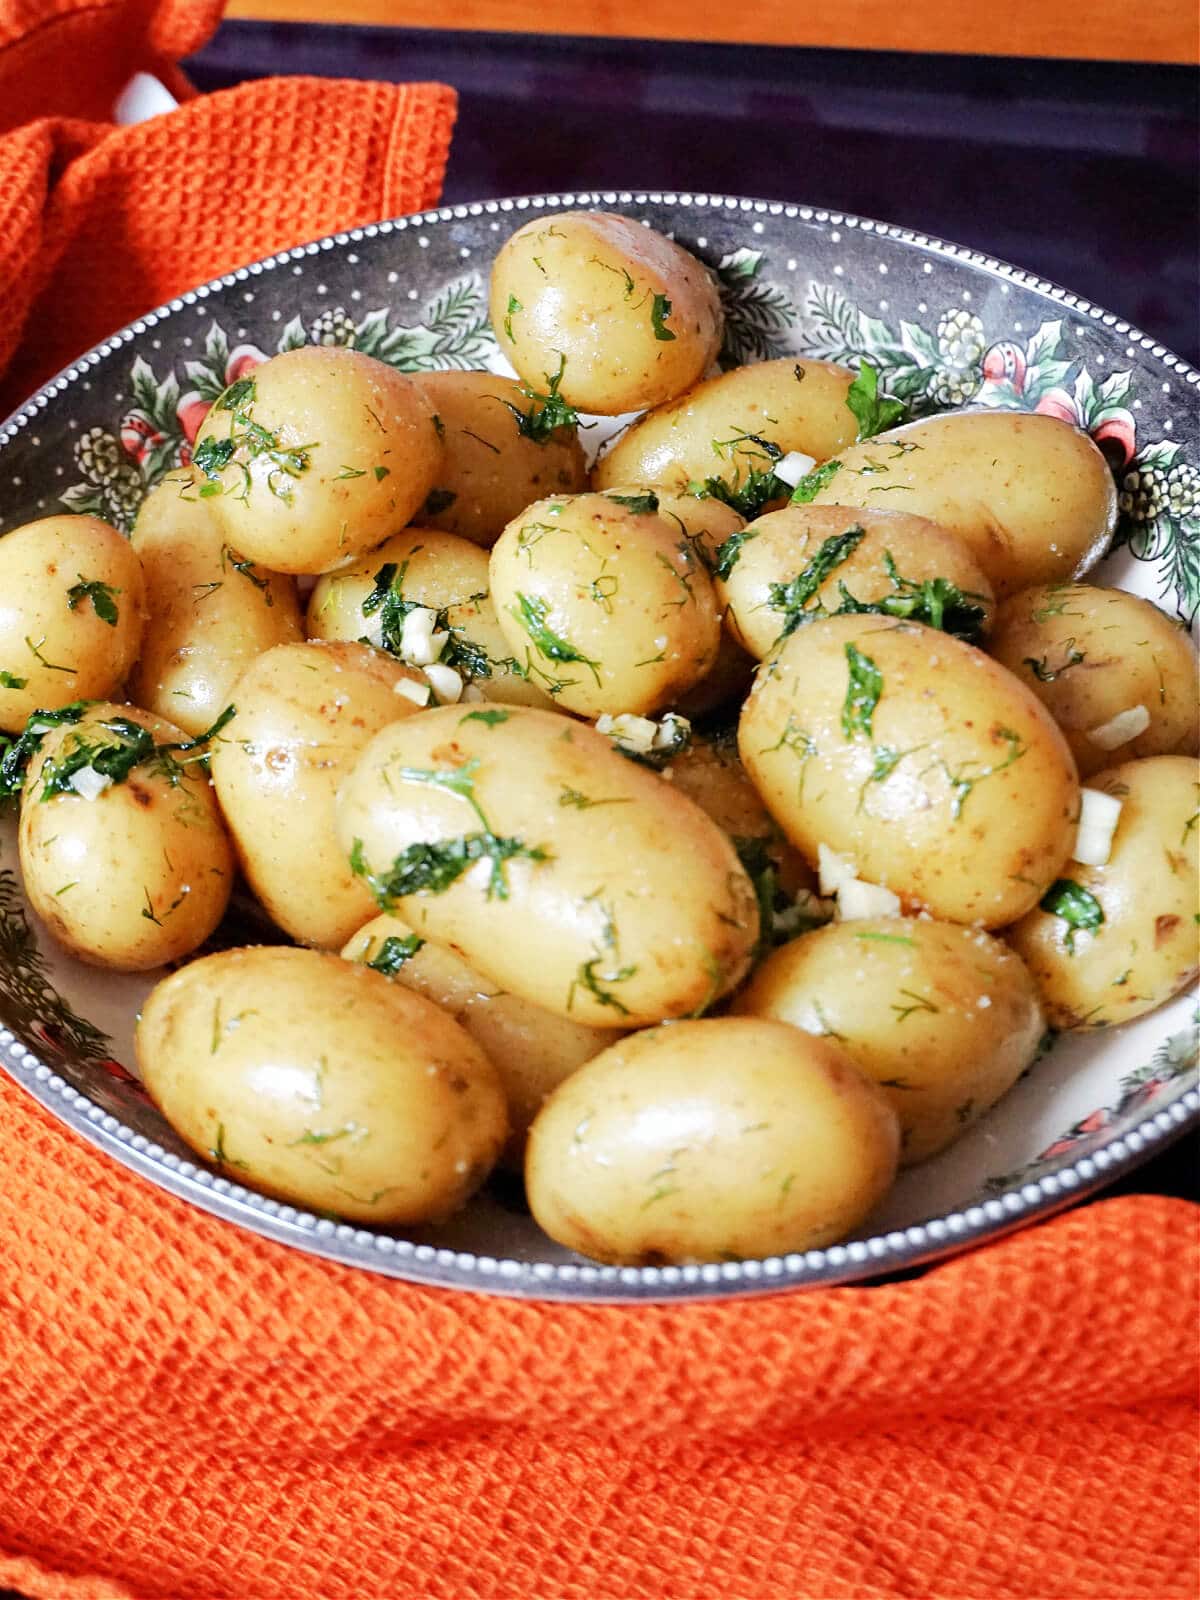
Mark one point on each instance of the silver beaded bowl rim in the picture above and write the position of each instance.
(431, 1265)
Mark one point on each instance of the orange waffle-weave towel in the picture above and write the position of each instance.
(191, 1413)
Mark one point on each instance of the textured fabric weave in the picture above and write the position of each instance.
(191, 1413)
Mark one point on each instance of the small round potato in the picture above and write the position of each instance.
(1121, 938)
(800, 563)
(497, 457)
(444, 573)
(716, 429)
(71, 614)
(944, 1019)
(559, 869)
(304, 713)
(621, 315)
(532, 1049)
(1092, 654)
(318, 455)
(604, 603)
(209, 611)
(322, 1083)
(710, 1141)
(937, 773)
(1031, 497)
(128, 872)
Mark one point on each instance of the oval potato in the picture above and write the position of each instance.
(943, 1018)
(1090, 654)
(138, 875)
(632, 317)
(710, 1141)
(209, 611)
(1095, 975)
(912, 753)
(1031, 497)
(72, 609)
(318, 455)
(304, 712)
(322, 1083)
(559, 869)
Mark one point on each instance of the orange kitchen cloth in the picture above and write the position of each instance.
(188, 1412)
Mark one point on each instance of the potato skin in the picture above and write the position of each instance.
(781, 546)
(1145, 950)
(365, 449)
(710, 1141)
(304, 713)
(1089, 654)
(208, 612)
(1031, 497)
(532, 1050)
(973, 809)
(54, 647)
(137, 877)
(943, 1018)
(608, 607)
(322, 1083)
(637, 908)
(797, 405)
(490, 470)
(633, 317)
(438, 570)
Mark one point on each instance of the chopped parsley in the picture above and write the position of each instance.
(387, 598)
(129, 745)
(937, 602)
(9, 680)
(102, 595)
(432, 867)
(660, 310)
(246, 442)
(811, 484)
(862, 693)
(643, 502)
(760, 486)
(531, 612)
(873, 412)
(1075, 906)
(547, 412)
(491, 719)
(248, 570)
(729, 551)
(1045, 674)
(16, 754)
(792, 598)
(394, 952)
(514, 305)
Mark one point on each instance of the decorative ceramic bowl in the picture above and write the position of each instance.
(946, 327)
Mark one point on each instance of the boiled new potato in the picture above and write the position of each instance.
(209, 611)
(1031, 497)
(322, 1083)
(318, 455)
(718, 429)
(1109, 943)
(444, 573)
(531, 1049)
(613, 315)
(943, 1018)
(554, 866)
(304, 712)
(802, 562)
(500, 451)
(604, 603)
(1115, 673)
(710, 1141)
(122, 848)
(915, 756)
(71, 614)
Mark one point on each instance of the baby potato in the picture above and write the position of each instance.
(498, 454)
(303, 714)
(1091, 655)
(448, 575)
(612, 315)
(209, 612)
(557, 868)
(1032, 497)
(804, 561)
(1110, 943)
(931, 767)
(531, 1049)
(122, 848)
(319, 455)
(943, 1018)
(604, 603)
(71, 614)
(323, 1084)
(710, 1141)
(717, 429)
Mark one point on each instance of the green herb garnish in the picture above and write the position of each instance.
(1075, 905)
(750, 495)
(431, 868)
(394, 952)
(862, 693)
(102, 595)
(936, 602)
(249, 441)
(437, 501)
(873, 413)
(660, 310)
(248, 570)
(531, 612)
(16, 754)
(811, 484)
(130, 745)
(792, 598)
(642, 502)
(513, 305)
(548, 412)
(729, 551)
(387, 598)
(491, 719)
(1045, 674)
(8, 680)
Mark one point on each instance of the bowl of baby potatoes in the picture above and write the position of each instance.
(607, 746)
